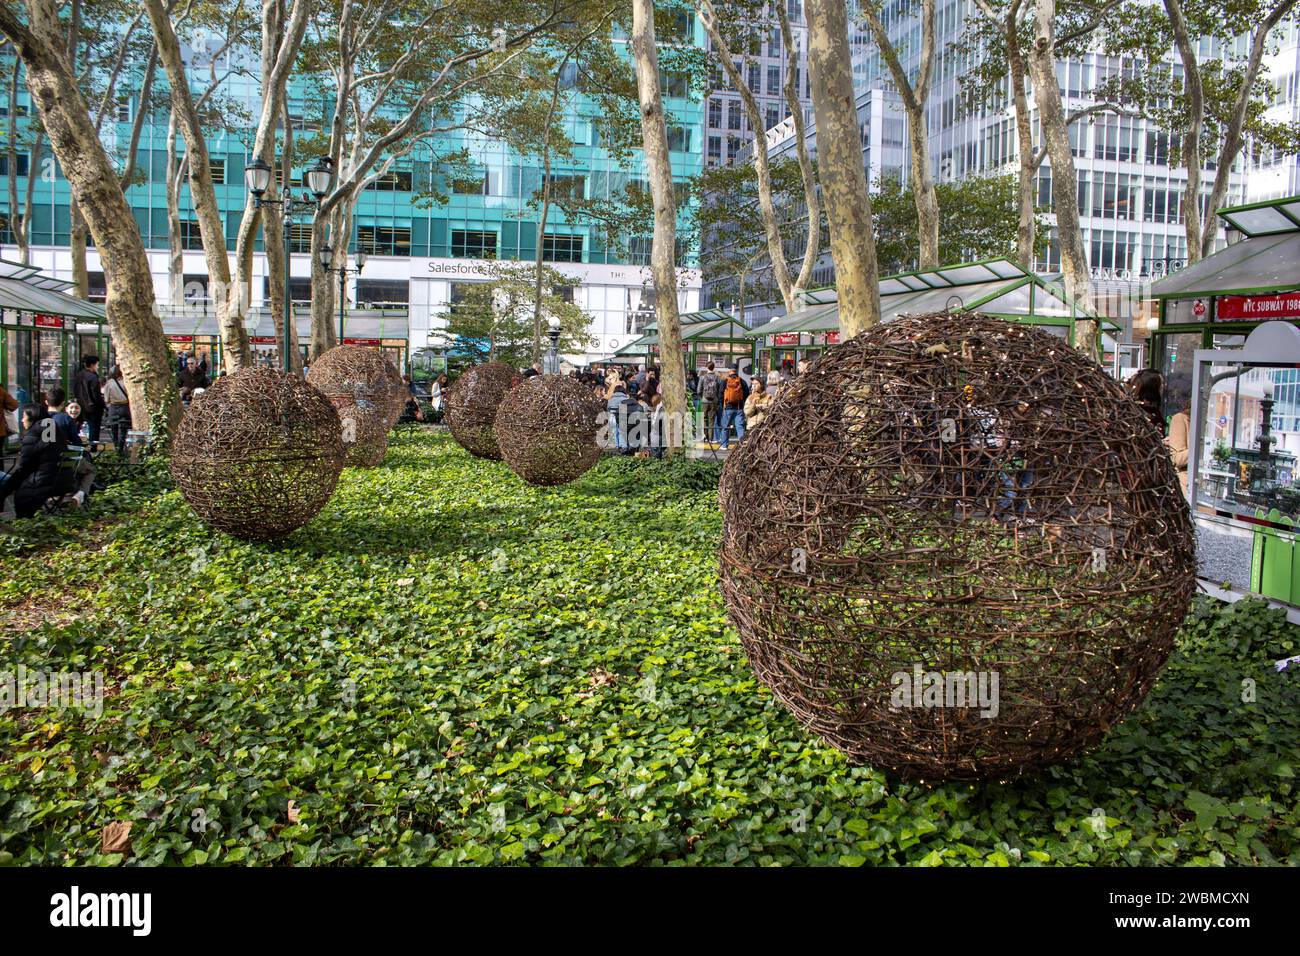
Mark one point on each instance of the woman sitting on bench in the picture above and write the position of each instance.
(39, 475)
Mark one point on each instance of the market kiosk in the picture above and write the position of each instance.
(1228, 343)
(44, 332)
(997, 287)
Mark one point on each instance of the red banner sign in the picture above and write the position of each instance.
(180, 338)
(833, 338)
(786, 338)
(371, 342)
(48, 321)
(263, 340)
(1258, 308)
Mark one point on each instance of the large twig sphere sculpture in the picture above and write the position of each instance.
(956, 549)
(547, 427)
(471, 406)
(367, 392)
(257, 455)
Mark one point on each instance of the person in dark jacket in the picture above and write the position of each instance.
(193, 377)
(38, 475)
(89, 395)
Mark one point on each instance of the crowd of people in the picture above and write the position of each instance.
(729, 404)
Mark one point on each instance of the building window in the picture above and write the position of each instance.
(299, 290)
(300, 237)
(674, 84)
(217, 169)
(485, 183)
(562, 248)
(378, 293)
(715, 112)
(733, 116)
(679, 139)
(6, 232)
(23, 161)
(473, 244)
(384, 240)
(569, 186)
(773, 80)
(393, 181)
(715, 149)
(191, 238)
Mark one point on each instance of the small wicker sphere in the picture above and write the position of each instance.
(257, 455)
(369, 394)
(471, 406)
(547, 429)
(956, 548)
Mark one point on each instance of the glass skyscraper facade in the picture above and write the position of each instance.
(420, 253)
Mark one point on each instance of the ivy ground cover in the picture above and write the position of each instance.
(450, 666)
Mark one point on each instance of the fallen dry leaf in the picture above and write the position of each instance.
(292, 812)
(116, 838)
(405, 582)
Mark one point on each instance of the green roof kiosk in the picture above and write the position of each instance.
(1228, 342)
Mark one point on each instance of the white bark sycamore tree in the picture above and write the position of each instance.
(788, 287)
(659, 171)
(1239, 88)
(1065, 189)
(186, 115)
(915, 95)
(397, 73)
(137, 332)
(839, 163)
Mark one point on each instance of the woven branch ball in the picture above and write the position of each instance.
(368, 393)
(257, 455)
(547, 428)
(955, 548)
(471, 406)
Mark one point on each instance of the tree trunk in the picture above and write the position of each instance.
(914, 100)
(762, 169)
(17, 229)
(211, 229)
(280, 43)
(77, 237)
(654, 137)
(843, 178)
(142, 350)
(323, 306)
(175, 246)
(1065, 190)
(1233, 138)
(29, 194)
(1026, 191)
(1193, 158)
(811, 198)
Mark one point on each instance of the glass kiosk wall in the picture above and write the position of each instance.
(1243, 449)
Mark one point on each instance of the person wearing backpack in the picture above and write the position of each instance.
(733, 392)
(708, 392)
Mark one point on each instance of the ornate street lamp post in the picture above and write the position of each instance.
(318, 177)
(326, 257)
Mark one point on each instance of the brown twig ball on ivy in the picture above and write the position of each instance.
(547, 429)
(368, 393)
(956, 549)
(257, 455)
(471, 406)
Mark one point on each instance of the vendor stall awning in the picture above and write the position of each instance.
(998, 287)
(25, 296)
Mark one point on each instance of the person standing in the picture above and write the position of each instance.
(757, 405)
(1176, 442)
(734, 393)
(119, 408)
(708, 391)
(1147, 387)
(90, 396)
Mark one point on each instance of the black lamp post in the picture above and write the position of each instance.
(326, 256)
(318, 177)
